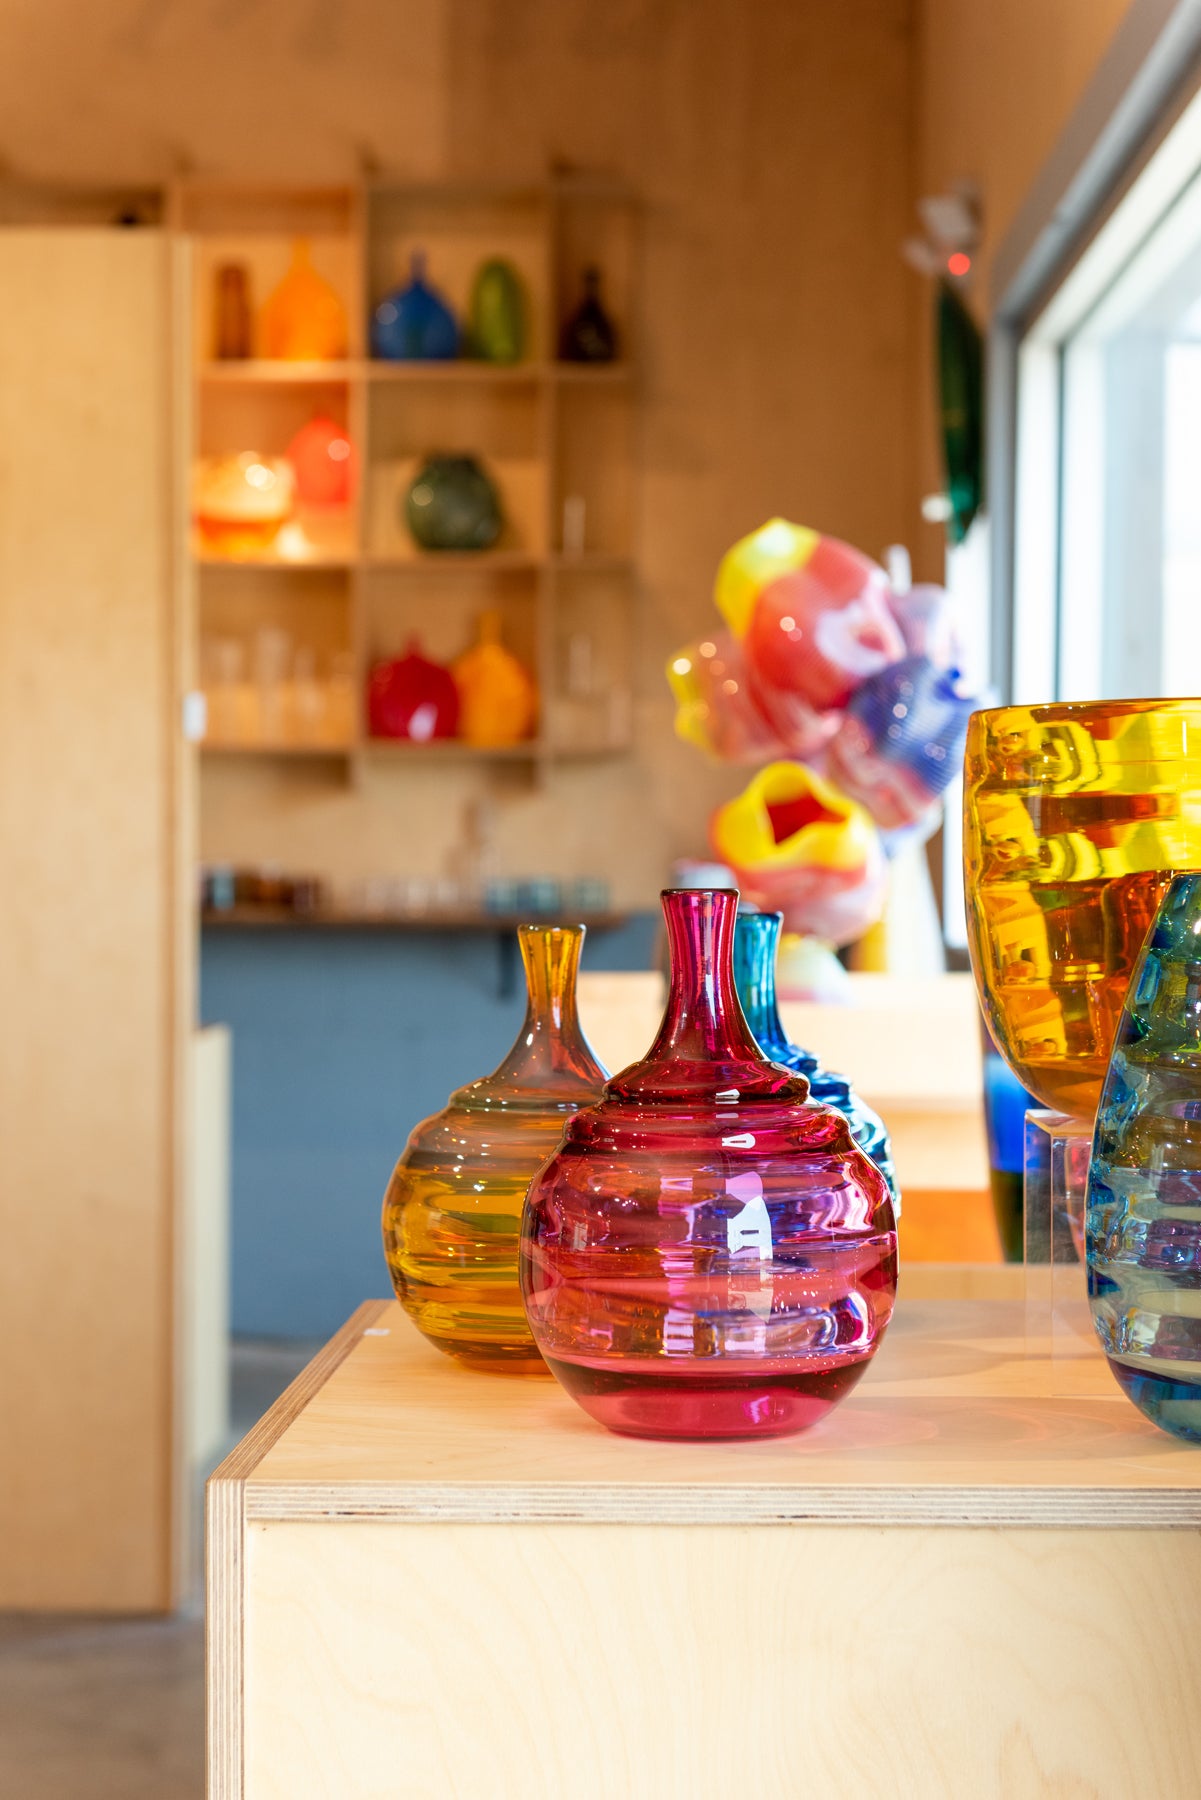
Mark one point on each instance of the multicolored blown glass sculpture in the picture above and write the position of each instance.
(1143, 1218)
(707, 1255)
(756, 942)
(1076, 815)
(797, 842)
(452, 1212)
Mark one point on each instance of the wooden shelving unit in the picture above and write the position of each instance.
(351, 591)
(267, 918)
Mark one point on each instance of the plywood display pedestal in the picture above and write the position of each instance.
(425, 1582)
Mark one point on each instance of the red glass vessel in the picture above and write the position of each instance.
(707, 1255)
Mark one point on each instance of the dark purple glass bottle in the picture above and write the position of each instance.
(706, 1255)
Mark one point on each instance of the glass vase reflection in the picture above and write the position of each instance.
(452, 1212)
(707, 1255)
(1143, 1218)
(756, 944)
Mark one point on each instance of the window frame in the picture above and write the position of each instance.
(1127, 153)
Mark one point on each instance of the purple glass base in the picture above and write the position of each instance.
(762, 1404)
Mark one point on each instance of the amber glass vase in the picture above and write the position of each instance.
(1075, 816)
(452, 1212)
(708, 1255)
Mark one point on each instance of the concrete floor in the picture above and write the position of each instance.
(113, 1709)
(101, 1709)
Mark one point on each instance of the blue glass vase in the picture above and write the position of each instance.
(1143, 1219)
(756, 942)
(414, 323)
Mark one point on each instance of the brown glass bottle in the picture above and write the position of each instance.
(234, 330)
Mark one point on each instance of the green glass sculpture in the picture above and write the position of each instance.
(452, 505)
(496, 320)
(960, 349)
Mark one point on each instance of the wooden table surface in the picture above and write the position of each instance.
(427, 1582)
(963, 1417)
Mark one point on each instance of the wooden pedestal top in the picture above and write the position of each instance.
(966, 1417)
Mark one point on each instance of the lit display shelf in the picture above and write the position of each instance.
(556, 437)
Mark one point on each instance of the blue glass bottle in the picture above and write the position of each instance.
(1143, 1220)
(414, 323)
(756, 941)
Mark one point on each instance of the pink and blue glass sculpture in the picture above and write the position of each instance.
(707, 1255)
(1143, 1220)
(756, 943)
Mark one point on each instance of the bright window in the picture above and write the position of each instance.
(1107, 541)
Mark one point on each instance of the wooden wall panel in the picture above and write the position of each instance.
(91, 968)
(994, 87)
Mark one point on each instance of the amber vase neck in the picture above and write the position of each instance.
(551, 1049)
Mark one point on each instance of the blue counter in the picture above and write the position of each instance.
(342, 1040)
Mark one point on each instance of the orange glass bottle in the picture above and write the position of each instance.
(452, 1212)
(303, 320)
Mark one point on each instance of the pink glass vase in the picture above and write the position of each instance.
(706, 1255)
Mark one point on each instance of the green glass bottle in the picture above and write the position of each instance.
(496, 322)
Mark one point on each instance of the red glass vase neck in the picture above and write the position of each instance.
(704, 1047)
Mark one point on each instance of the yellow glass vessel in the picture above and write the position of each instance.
(1075, 817)
(452, 1212)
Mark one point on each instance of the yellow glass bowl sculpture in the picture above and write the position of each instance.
(1075, 817)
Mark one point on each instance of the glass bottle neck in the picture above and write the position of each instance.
(756, 941)
(551, 1052)
(756, 951)
(704, 1047)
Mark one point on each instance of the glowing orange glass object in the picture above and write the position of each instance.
(1075, 817)
(240, 502)
(452, 1212)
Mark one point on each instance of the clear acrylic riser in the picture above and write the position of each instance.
(1055, 1182)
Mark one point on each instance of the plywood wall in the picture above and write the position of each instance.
(94, 989)
(779, 147)
(772, 145)
(995, 86)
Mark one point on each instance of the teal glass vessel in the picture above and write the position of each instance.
(1143, 1219)
(756, 943)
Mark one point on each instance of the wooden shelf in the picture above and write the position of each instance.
(454, 561)
(424, 562)
(447, 750)
(505, 374)
(454, 750)
(588, 562)
(454, 370)
(269, 918)
(546, 430)
(321, 559)
(303, 751)
(254, 372)
(260, 372)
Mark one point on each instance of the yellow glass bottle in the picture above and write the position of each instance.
(452, 1212)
